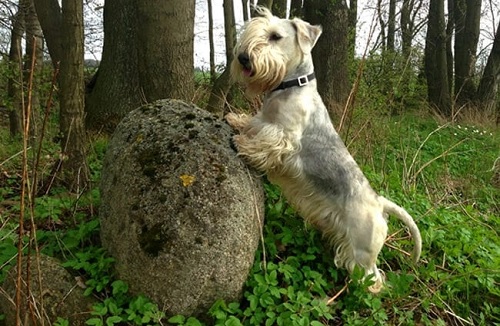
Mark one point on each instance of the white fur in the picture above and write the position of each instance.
(293, 141)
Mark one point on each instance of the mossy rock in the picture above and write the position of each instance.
(180, 212)
(53, 292)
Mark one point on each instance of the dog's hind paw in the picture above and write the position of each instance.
(379, 279)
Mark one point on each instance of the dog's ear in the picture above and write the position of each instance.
(307, 34)
(262, 11)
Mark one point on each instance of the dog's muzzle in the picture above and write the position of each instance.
(244, 60)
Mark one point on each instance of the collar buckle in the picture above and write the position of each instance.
(300, 81)
(303, 80)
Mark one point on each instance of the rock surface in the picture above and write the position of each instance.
(61, 295)
(180, 212)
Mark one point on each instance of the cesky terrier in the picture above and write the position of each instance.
(293, 141)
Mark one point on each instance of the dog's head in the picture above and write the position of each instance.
(270, 49)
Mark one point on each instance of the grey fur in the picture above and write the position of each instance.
(293, 141)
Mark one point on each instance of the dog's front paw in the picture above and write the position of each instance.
(233, 143)
(237, 121)
(238, 140)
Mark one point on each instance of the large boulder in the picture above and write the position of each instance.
(180, 213)
(53, 292)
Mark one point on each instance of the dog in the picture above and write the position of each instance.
(293, 141)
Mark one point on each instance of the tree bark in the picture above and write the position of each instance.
(166, 66)
(15, 82)
(117, 89)
(147, 55)
(211, 40)
(244, 5)
(435, 59)
(353, 20)
(391, 26)
(450, 28)
(383, 25)
(279, 8)
(488, 86)
(75, 169)
(331, 62)
(223, 83)
(406, 27)
(34, 54)
(467, 16)
(409, 24)
(296, 8)
(50, 18)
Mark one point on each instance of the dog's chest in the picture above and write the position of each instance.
(288, 112)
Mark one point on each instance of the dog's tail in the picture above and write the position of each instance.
(393, 209)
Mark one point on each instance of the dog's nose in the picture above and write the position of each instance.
(244, 60)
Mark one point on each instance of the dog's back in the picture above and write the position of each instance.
(332, 193)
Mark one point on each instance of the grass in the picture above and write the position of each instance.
(440, 172)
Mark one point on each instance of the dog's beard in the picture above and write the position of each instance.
(267, 70)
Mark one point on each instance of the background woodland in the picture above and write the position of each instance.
(415, 97)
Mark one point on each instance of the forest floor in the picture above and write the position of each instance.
(440, 172)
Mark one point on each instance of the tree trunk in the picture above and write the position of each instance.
(331, 62)
(296, 8)
(117, 89)
(383, 24)
(388, 49)
(34, 54)
(15, 82)
(410, 10)
(147, 55)
(75, 169)
(488, 86)
(211, 40)
(435, 59)
(244, 5)
(467, 16)
(406, 27)
(279, 8)
(166, 66)
(223, 83)
(450, 27)
(391, 26)
(353, 20)
(50, 18)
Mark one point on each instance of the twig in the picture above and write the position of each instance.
(44, 124)
(31, 203)
(449, 311)
(13, 156)
(397, 249)
(414, 160)
(352, 94)
(24, 180)
(464, 210)
(468, 322)
(497, 160)
(330, 301)
(261, 225)
(436, 158)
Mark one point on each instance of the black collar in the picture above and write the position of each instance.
(301, 81)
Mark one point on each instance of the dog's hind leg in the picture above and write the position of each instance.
(367, 240)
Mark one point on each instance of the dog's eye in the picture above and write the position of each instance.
(275, 37)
